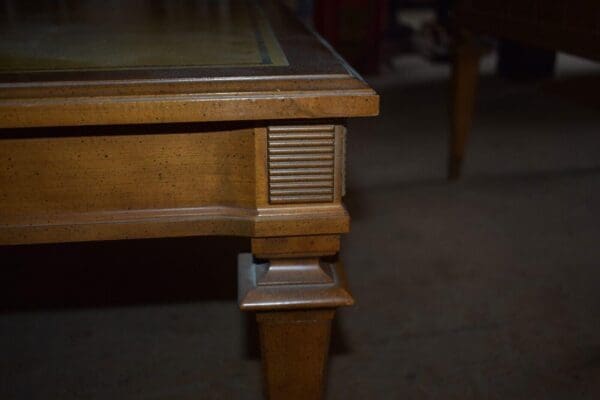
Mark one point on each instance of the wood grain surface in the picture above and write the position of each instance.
(148, 183)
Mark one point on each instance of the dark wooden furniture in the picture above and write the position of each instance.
(569, 26)
(353, 27)
(162, 119)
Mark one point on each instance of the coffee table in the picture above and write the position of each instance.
(165, 119)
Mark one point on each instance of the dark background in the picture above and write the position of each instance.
(483, 288)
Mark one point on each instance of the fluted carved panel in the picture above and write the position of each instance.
(301, 164)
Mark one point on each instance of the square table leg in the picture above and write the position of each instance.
(294, 292)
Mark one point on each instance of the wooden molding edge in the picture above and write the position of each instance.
(218, 221)
(116, 110)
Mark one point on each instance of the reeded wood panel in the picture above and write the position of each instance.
(301, 164)
(42, 179)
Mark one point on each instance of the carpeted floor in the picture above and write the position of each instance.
(488, 288)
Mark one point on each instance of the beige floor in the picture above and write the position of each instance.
(484, 289)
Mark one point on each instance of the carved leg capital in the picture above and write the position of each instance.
(295, 293)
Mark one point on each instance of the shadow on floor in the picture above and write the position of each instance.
(117, 273)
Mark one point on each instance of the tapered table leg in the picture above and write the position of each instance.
(294, 347)
(294, 293)
(465, 75)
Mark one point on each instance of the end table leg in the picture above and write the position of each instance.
(465, 74)
(294, 348)
(294, 293)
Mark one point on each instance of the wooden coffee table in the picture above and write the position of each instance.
(164, 119)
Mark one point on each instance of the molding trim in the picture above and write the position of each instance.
(311, 283)
(228, 221)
